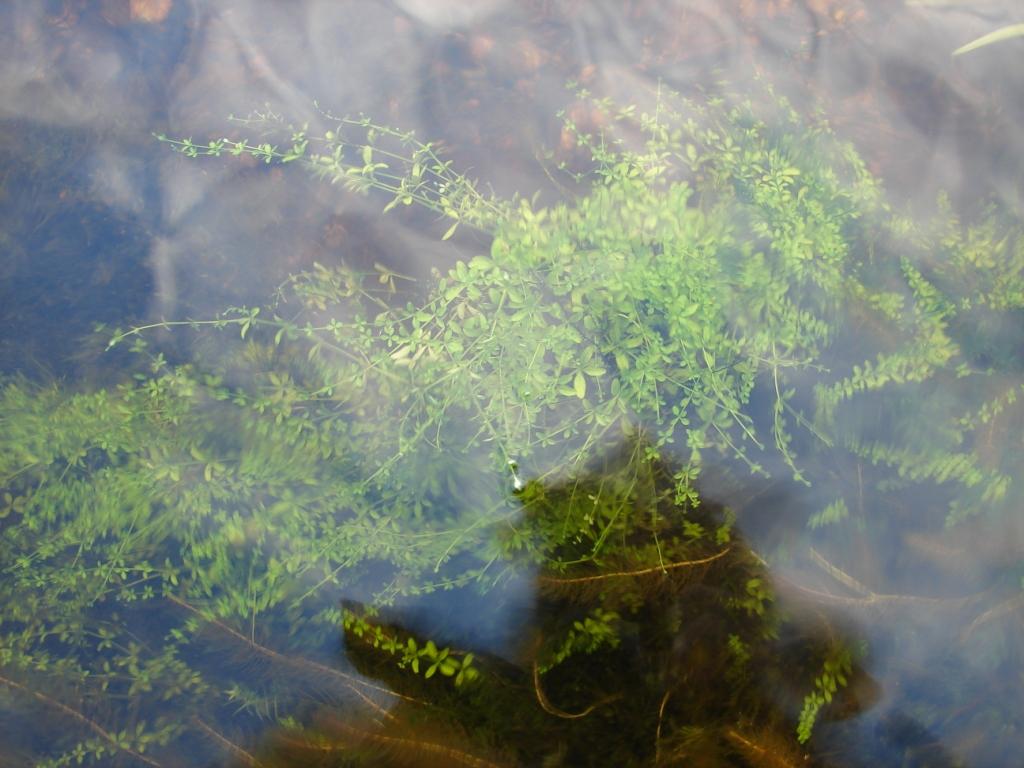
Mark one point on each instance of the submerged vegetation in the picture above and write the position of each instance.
(1003, 33)
(545, 412)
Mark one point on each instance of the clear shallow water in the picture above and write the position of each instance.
(102, 224)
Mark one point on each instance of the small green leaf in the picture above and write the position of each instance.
(579, 385)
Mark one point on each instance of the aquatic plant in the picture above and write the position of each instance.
(699, 303)
(1008, 32)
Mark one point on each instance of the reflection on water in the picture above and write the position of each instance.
(284, 589)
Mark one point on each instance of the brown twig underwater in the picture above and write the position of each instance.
(412, 746)
(838, 574)
(551, 709)
(876, 600)
(225, 742)
(758, 753)
(349, 681)
(1006, 606)
(657, 732)
(640, 572)
(88, 722)
(866, 597)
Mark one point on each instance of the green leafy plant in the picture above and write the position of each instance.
(833, 677)
(734, 290)
(458, 666)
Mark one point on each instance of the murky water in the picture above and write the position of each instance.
(277, 597)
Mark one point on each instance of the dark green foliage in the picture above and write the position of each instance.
(620, 665)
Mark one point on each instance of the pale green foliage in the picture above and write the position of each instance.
(362, 155)
(663, 297)
(346, 443)
(835, 512)
(952, 365)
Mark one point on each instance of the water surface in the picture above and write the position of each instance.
(101, 224)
